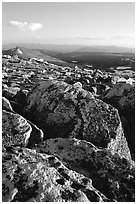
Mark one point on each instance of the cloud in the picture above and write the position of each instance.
(26, 26)
(19, 24)
(35, 26)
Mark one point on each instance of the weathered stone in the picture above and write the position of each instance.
(122, 96)
(17, 131)
(32, 177)
(63, 110)
(111, 175)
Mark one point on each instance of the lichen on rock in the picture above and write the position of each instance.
(110, 174)
(29, 176)
(63, 110)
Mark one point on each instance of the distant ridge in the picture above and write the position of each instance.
(108, 49)
(71, 48)
(23, 52)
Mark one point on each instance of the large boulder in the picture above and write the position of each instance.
(122, 96)
(111, 175)
(63, 110)
(17, 131)
(32, 177)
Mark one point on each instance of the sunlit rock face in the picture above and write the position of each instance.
(6, 104)
(63, 110)
(16, 130)
(32, 177)
(122, 96)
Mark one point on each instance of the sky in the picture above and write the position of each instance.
(87, 23)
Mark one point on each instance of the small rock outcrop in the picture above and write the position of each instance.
(63, 110)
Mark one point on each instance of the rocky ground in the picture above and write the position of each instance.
(68, 133)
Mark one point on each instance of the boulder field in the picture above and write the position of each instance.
(67, 134)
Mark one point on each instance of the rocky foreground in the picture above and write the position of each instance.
(68, 133)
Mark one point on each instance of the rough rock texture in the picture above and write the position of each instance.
(63, 110)
(32, 177)
(17, 131)
(122, 96)
(100, 161)
(6, 104)
(110, 174)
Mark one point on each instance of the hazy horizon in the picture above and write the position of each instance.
(69, 23)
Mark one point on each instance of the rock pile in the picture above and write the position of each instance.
(68, 134)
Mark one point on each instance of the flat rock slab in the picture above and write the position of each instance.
(32, 177)
(111, 175)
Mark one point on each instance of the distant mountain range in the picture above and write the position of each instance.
(107, 49)
(71, 48)
(97, 56)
